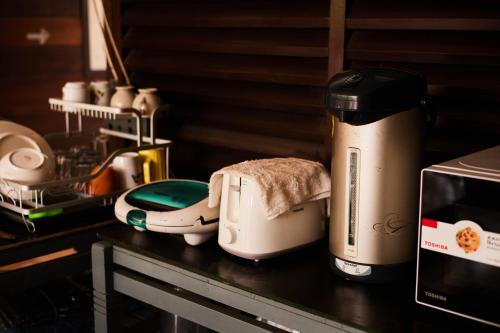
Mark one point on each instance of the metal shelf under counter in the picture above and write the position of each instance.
(215, 289)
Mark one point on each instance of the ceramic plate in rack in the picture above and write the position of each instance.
(13, 136)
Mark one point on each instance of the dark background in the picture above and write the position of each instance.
(246, 79)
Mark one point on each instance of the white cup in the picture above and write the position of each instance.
(76, 92)
(128, 170)
(101, 92)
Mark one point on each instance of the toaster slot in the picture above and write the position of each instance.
(234, 192)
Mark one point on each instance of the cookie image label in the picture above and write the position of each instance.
(468, 239)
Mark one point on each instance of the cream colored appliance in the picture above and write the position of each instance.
(458, 265)
(245, 231)
(375, 169)
(174, 206)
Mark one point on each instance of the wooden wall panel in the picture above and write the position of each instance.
(40, 8)
(459, 15)
(435, 47)
(30, 73)
(240, 74)
(26, 102)
(245, 79)
(455, 45)
(272, 69)
(302, 43)
(61, 31)
(226, 14)
(294, 99)
(42, 63)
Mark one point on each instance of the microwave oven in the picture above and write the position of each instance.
(458, 257)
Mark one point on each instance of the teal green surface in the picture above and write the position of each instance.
(174, 193)
(137, 217)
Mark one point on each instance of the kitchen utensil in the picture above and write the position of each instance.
(153, 164)
(15, 136)
(174, 206)
(245, 231)
(128, 170)
(100, 145)
(375, 167)
(76, 92)
(123, 97)
(100, 92)
(24, 166)
(11, 141)
(104, 183)
(147, 100)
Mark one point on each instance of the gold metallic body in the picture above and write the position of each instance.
(388, 158)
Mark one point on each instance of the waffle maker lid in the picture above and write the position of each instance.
(167, 195)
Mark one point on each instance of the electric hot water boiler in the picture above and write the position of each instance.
(376, 160)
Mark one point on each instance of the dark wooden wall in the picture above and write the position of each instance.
(246, 79)
(31, 73)
(455, 44)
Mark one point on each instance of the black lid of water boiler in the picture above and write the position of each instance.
(360, 97)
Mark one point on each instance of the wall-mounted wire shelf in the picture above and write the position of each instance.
(54, 197)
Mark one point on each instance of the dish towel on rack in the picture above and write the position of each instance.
(283, 182)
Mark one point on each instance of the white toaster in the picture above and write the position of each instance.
(245, 231)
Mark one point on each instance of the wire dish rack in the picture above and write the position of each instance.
(35, 201)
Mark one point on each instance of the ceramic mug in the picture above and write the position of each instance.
(101, 92)
(146, 101)
(123, 97)
(76, 92)
(153, 164)
(128, 170)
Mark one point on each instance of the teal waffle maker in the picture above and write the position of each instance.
(176, 206)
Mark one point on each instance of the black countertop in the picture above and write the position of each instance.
(13, 233)
(301, 279)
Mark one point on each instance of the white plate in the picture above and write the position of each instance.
(11, 141)
(14, 136)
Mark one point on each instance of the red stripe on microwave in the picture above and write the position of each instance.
(430, 223)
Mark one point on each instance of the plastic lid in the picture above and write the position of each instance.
(364, 96)
(170, 194)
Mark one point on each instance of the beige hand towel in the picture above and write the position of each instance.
(283, 182)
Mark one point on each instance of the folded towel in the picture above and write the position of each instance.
(283, 182)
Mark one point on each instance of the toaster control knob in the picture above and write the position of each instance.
(228, 235)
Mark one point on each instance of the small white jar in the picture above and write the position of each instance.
(101, 92)
(76, 92)
(123, 97)
(147, 100)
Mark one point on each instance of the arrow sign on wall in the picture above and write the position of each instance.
(41, 36)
